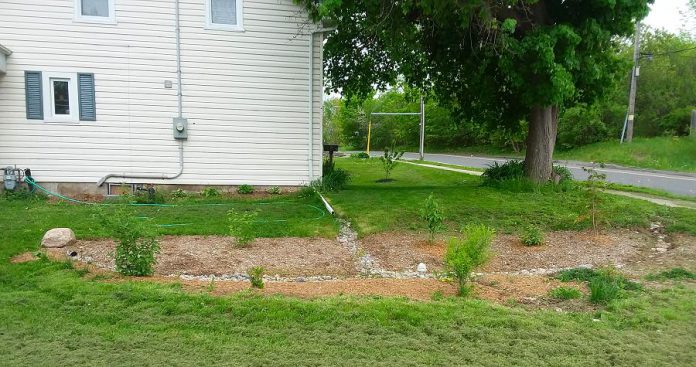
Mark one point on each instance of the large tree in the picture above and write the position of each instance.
(491, 60)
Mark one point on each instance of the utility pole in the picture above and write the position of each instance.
(634, 85)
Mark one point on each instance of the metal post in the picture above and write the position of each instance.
(634, 85)
(369, 133)
(692, 132)
(422, 129)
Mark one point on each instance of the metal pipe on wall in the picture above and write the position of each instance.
(165, 176)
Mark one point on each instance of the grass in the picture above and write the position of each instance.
(662, 153)
(54, 315)
(377, 207)
(673, 274)
(565, 293)
(281, 216)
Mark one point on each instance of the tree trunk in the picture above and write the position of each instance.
(543, 126)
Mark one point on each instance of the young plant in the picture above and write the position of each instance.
(389, 161)
(241, 226)
(595, 183)
(210, 192)
(256, 277)
(275, 190)
(465, 254)
(136, 240)
(432, 214)
(245, 189)
(179, 194)
(532, 236)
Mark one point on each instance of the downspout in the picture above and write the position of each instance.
(310, 157)
(164, 176)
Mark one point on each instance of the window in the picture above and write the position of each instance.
(60, 97)
(224, 14)
(95, 11)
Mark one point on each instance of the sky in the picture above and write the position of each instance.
(665, 14)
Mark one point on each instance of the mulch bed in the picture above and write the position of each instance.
(562, 249)
(632, 251)
(214, 255)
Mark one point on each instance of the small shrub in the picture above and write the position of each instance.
(210, 192)
(245, 189)
(603, 290)
(306, 192)
(565, 293)
(148, 196)
(136, 240)
(241, 226)
(532, 236)
(605, 285)
(562, 174)
(497, 173)
(256, 277)
(275, 190)
(179, 194)
(335, 180)
(673, 274)
(361, 155)
(327, 166)
(24, 194)
(465, 254)
(389, 161)
(593, 191)
(432, 214)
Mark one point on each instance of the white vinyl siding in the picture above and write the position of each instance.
(244, 93)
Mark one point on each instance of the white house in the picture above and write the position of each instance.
(182, 92)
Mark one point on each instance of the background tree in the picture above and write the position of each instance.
(490, 60)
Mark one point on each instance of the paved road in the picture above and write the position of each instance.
(673, 182)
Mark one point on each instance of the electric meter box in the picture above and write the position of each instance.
(180, 126)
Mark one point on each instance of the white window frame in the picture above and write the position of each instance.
(49, 110)
(239, 27)
(111, 19)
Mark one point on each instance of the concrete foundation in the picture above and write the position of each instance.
(90, 191)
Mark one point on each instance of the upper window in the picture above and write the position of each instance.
(224, 14)
(98, 11)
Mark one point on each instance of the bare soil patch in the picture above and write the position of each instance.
(213, 255)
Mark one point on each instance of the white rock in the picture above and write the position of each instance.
(421, 268)
(58, 237)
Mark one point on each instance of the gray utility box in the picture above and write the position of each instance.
(180, 126)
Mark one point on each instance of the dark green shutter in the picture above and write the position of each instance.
(85, 86)
(33, 96)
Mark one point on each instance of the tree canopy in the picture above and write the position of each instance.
(491, 60)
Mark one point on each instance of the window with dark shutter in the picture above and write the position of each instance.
(85, 85)
(33, 95)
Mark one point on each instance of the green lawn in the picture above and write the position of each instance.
(376, 207)
(53, 315)
(663, 153)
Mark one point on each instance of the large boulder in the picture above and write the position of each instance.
(58, 237)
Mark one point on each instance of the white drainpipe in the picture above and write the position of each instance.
(164, 176)
(310, 157)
